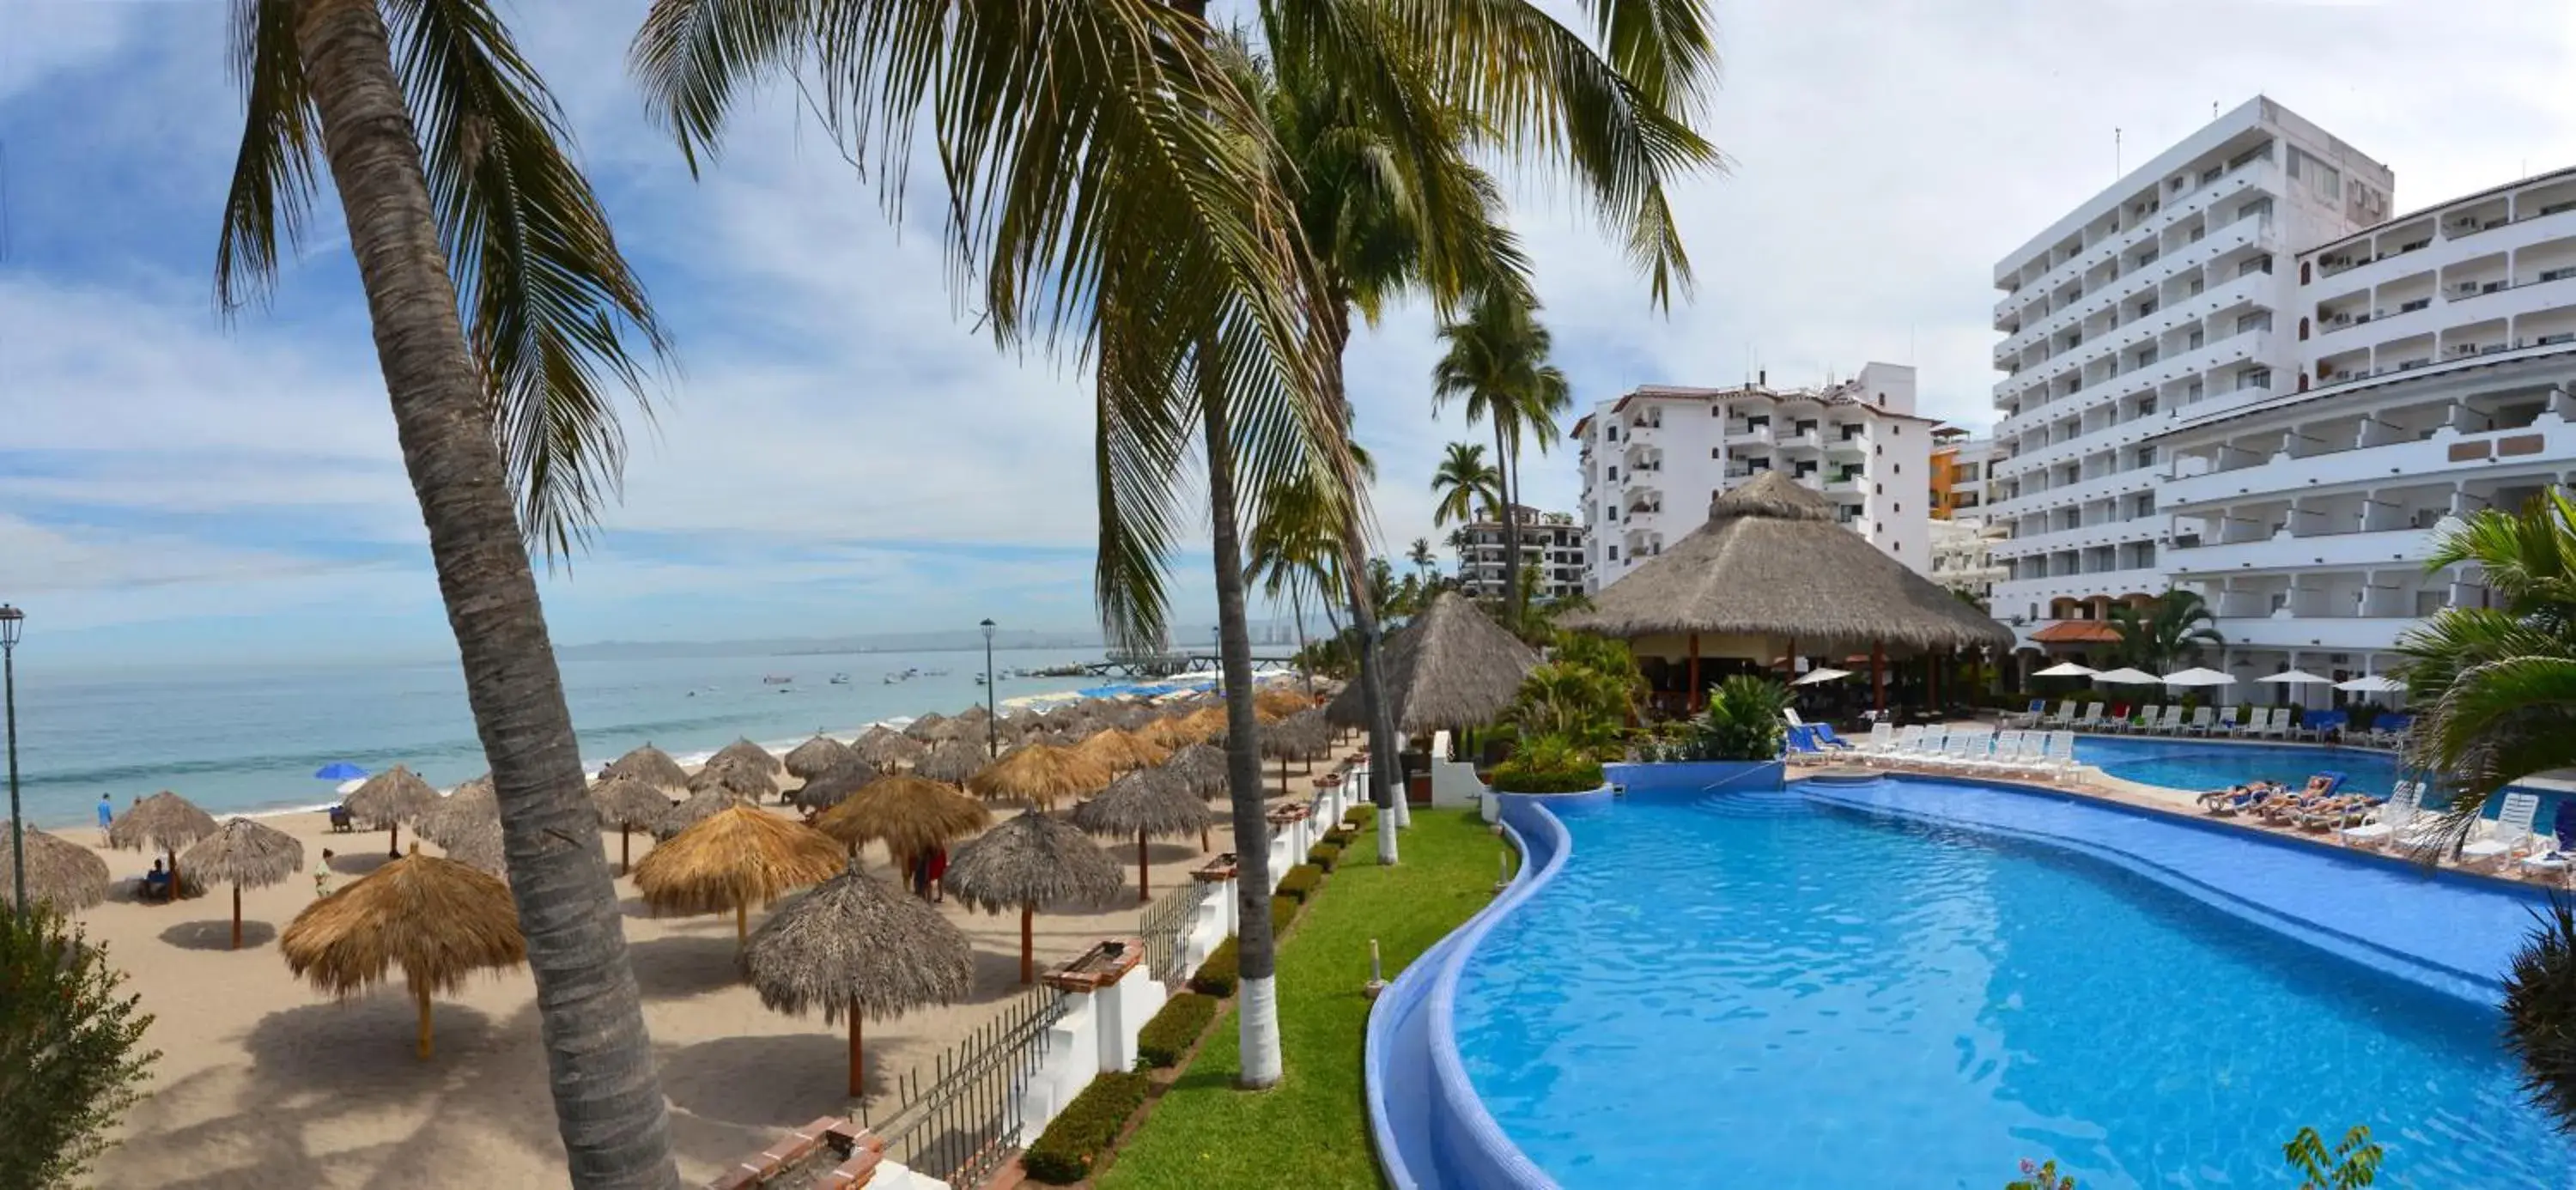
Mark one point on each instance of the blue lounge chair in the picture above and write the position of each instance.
(1822, 735)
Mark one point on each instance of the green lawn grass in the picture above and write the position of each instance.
(1312, 1129)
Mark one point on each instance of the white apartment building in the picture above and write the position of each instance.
(1550, 543)
(2166, 295)
(1654, 458)
(1963, 557)
(2435, 357)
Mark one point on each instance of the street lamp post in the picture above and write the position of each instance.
(11, 620)
(992, 711)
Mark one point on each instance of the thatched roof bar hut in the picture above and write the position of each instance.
(1771, 571)
(1451, 667)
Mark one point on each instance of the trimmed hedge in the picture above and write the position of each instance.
(1300, 882)
(1170, 1034)
(1282, 911)
(1324, 855)
(1217, 976)
(1074, 1141)
(1362, 815)
(1340, 836)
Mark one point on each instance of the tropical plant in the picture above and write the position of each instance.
(2350, 1165)
(506, 322)
(2494, 688)
(1548, 764)
(1115, 174)
(1465, 483)
(2167, 634)
(1497, 362)
(2539, 1007)
(71, 1053)
(1744, 719)
(1582, 706)
(2040, 1175)
(1422, 558)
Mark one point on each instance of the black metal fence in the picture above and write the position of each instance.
(957, 1119)
(1167, 929)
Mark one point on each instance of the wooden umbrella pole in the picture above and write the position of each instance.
(236, 916)
(1028, 946)
(741, 923)
(1142, 871)
(625, 852)
(856, 1088)
(1691, 702)
(420, 997)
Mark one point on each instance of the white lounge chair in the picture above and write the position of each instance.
(1908, 742)
(2278, 728)
(2091, 719)
(2227, 724)
(2507, 835)
(2062, 765)
(2203, 721)
(1882, 739)
(2171, 724)
(2146, 719)
(2391, 821)
(2065, 715)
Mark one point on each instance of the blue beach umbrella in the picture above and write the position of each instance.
(339, 770)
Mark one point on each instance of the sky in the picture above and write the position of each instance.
(843, 451)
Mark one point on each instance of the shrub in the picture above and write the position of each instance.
(1170, 1034)
(1743, 720)
(1340, 836)
(1324, 855)
(1361, 816)
(70, 1048)
(1217, 976)
(1300, 882)
(1548, 764)
(1074, 1141)
(1283, 910)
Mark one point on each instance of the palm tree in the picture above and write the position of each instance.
(1423, 559)
(1465, 482)
(2169, 633)
(1112, 184)
(1295, 551)
(2494, 692)
(449, 159)
(1497, 361)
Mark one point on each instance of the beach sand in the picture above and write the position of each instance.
(262, 1082)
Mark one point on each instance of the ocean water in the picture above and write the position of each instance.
(245, 739)
(1757, 990)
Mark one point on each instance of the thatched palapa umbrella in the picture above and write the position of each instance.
(60, 872)
(851, 946)
(954, 762)
(435, 920)
(468, 807)
(629, 804)
(815, 757)
(828, 789)
(1144, 803)
(743, 751)
(885, 748)
(244, 852)
(696, 808)
(1274, 703)
(734, 775)
(388, 800)
(653, 767)
(1772, 568)
(163, 822)
(738, 857)
(1118, 751)
(1206, 725)
(1199, 768)
(910, 815)
(930, 729)
(478, 846)
(1040, 774)
(1450, 668)
(1029, 861)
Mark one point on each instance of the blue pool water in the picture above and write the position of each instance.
(2200, 765)
(1758, 989)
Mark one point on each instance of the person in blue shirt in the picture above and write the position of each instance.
(106, 815)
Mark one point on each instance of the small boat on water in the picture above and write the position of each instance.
(777, 679)
(840, 679)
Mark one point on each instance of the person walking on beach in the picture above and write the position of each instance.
(322, 875)
(106, 816)
(935, 871)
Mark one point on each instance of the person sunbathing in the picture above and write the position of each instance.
(2287, 807)
(2240, 797)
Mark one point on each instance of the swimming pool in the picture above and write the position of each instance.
(2201, 765)
(1783, 989)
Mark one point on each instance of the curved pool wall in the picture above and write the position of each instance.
(2448, 932)
(1431, 1131)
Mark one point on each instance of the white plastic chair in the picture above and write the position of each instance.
(2062, 764)
(2391, 820)
(2203, 721)
(2509, 833)
(2227, 724)
(2091, 718)
(2065, 715)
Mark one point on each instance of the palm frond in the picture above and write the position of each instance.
(273, 177)
(553, 311)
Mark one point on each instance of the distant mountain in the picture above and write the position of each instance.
(876, 642)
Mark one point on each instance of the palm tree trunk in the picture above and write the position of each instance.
(1373, 701)
(608, 1100)
(1511, 532)
(1259, 1020)
(1297, 612)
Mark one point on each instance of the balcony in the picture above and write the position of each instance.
(1749, 435)
(1857, 445)
(2100, 487)
(2342, 634)
(2105, 533)
(1808, 439)
(2286, 551)
(1842, 486)
(2545, 444)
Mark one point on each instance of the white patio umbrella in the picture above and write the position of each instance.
(2125, 676)
(2199, 677)
(2370, 684)
(1827, 674)
(2067, 669)
(2299, 676)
